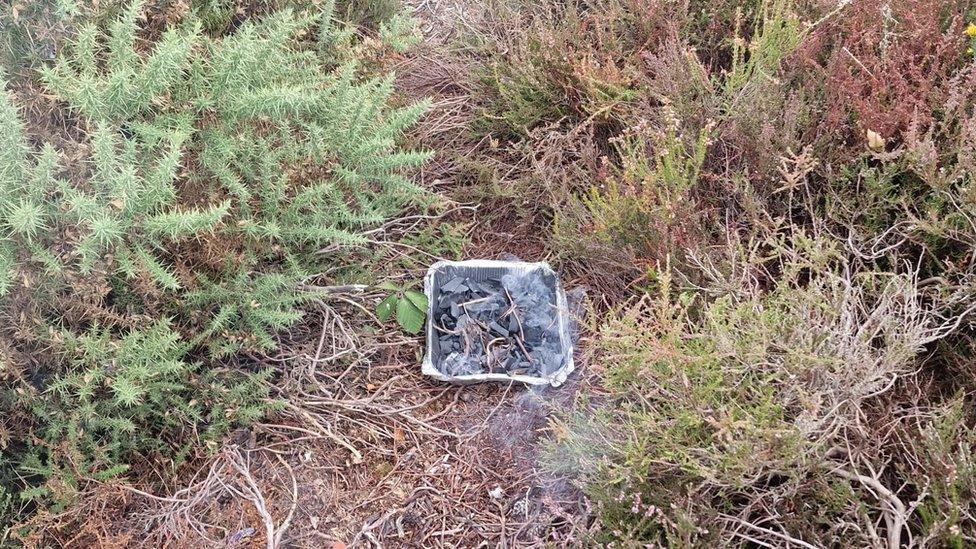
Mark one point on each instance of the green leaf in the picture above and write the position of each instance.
(385, 309)
(160, 273)
(127, 392)
(26, 219)
(418, 299)
(111, 472)
(411, 318)
(387, 285)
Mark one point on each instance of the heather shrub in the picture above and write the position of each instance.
(133, 266)
(886, 66)
(567, 64)
(736, 410)
(795, 384)
(645, 208)
(605, 95)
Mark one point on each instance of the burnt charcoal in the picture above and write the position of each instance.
(456, 364)
(485, 288)
(497, 329)
(506, 307)
(482, 307)
(476, 351)
(446, 343)
(513, 324)
(454, 285)
(548, 359)
(532, 333)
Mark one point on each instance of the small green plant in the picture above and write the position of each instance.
(409, 306)
(368, 14)
(518, 98)
(400, 32)
(642, 206)
(118, 396)
(754, 62)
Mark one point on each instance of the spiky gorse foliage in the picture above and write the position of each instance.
(216, 168)
(288, 152)
(117, 397)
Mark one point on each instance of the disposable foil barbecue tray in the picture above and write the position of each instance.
(497, 321)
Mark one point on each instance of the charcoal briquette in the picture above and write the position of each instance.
(487, 287)
(497, 329)
(454, 285)
(513, 323)
(534, 317)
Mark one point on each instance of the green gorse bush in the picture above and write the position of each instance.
(215, 167)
